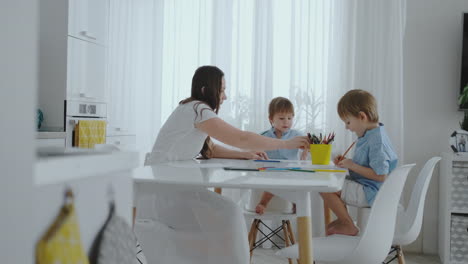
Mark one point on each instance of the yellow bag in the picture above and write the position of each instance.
(62, 243)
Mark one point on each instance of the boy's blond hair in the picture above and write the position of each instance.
(356, 101)
(280, 105)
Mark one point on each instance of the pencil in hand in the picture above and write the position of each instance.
(346, 152)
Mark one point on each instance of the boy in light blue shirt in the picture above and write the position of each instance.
(374, 158)
(281, 115)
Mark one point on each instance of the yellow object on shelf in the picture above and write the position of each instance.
(320, 153)
(89, 133)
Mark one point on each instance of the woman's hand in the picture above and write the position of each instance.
(305, 154)
(254, 155)
(297, 142)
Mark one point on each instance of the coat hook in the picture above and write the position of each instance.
(69, 196)
(110, 193)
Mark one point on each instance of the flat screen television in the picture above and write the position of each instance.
(464, 63)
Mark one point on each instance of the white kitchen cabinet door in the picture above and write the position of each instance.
(48, 143)
(85, 71)
(88, 20)
(122, 141)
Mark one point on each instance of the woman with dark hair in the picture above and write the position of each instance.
(187, 131)
(199, 226)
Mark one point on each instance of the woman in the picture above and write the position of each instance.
(187, 131)
(185, 135)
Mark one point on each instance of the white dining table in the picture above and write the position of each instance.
(294, 186)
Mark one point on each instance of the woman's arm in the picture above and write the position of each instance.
(224, 132)
(225, 153)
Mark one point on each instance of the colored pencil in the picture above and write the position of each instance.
(267, 160)
(300, 170)
(322, 170)
(240, 169)
(346, 152)
(277, 169)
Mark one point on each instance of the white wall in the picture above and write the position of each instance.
(432, 59)
(18, 81)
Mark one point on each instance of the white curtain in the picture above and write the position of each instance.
(309, 51)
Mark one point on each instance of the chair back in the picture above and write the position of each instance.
(276, 204)
(377, 237)
(409, 222)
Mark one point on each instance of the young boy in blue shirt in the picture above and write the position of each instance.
(281, 115)
(374, 158)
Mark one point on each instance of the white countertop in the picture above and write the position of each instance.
(70, 166)
(50, 135)
(210, 173)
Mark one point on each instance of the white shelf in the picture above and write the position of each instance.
(452, 164)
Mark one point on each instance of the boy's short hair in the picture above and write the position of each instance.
(280, 105)
(356, 101)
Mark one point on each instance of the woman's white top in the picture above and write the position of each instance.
(179, 139)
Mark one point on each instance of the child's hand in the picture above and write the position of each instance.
(255, 155)
(345, 163)
(337, 159)
(260, 209)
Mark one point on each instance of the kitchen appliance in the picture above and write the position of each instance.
(81, 110)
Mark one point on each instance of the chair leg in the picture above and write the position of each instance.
(255, 232)
(251, 237)
(327, 214)
(286, 238)
(291, 235)
(401, 257)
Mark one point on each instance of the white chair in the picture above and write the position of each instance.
(372, 245)
(409, 221)
(177, 225)
(278, 210)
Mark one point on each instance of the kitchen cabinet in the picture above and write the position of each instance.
(88, 20)
(119, 117)
(122, 142)
(120, 90)
(85, 71)
(50, 143)
(72, 56)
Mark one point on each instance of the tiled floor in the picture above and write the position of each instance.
(267, 256)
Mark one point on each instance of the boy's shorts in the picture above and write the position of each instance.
(353, 194)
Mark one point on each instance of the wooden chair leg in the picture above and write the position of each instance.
(251, 236)
(286, 238)
(291, 235)
(254, 234)
(290, 232)
(133, 216)
(401, 257)
(327, 215)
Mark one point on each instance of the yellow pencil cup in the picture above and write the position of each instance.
(320, 153)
